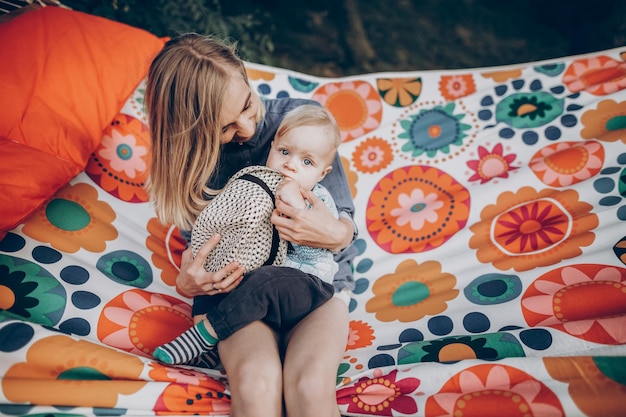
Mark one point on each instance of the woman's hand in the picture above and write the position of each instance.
(315, 226)
(193, 279)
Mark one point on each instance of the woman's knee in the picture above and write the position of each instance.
(314, 384)
(256, 381)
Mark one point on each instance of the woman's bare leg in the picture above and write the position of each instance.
(314, 352)
(253, 366)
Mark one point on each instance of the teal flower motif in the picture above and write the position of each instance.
(433, 130)
(493, 288)
(552, 70)
(127, 268)
(529, 110)
(490, 346)
(29, 292)
(301, 85)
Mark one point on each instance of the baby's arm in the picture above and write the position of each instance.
(289, 192)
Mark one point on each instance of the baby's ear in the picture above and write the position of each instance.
(326, 171)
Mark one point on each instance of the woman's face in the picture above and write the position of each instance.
(238, 120)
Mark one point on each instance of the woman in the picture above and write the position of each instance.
(206, 124)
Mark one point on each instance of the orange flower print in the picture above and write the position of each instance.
(600, 75)
(181, 399)
(361, 335)
(510, 391)
(372, 155)
(399, 92)
(502, 76)
(64, 371)
(567, 299)
(587, 374)
(190, 391)
(566, 163)
(453, 87)
(73, 219)
(167, 246)
(257, 74)
(138, 321)
(180, 375)
(120, 162)
(530, 229)
(415, 209)
(355, 105)
(606, 123)
(412, 292)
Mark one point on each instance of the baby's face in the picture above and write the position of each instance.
(303, 154)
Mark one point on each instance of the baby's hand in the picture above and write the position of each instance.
(289, 192)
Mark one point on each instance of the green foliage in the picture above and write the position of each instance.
(250, 28)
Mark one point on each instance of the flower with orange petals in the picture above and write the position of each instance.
(606, 123)
(181, 399)
(372, 155)
(502, 76)
(453, 87)
(566, 163)
(120, 163)
(64, 371)
(355, 105)
(586, 374)
(258, 74)
(510, 391)
(599, 75)
(399, 92)
(415, 209)
(361, 335)
(529, 229)
(412, 292)
(138, 321)
(179, 375)
(568, 299)
(73, 219)
(167, 246)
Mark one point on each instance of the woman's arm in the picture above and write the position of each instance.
(315, 226)
(193, 279)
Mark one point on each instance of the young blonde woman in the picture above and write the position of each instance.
(206, 124)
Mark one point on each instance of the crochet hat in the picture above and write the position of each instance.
(241, 213)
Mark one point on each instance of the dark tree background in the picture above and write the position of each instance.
(347, 37)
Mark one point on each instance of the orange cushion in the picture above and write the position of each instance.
(64, 76)
(24, 189)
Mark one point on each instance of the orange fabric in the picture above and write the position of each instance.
(64, 76)
(25, 188)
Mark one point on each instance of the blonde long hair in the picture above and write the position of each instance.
(185, 94)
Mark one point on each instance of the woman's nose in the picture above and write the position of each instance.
(246, 127)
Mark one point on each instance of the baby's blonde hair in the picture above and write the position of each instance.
(312, 115)
(185, 95)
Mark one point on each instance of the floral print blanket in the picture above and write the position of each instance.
(491, 274)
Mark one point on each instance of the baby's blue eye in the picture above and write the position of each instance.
(307, 162)
(284, 152)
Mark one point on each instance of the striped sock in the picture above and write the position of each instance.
(187, 346)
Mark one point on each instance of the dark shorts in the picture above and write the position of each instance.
(279, 296)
